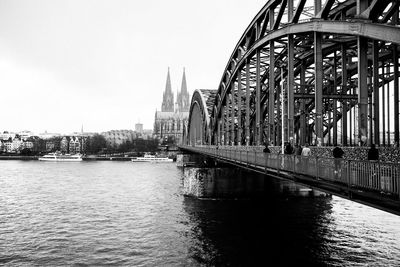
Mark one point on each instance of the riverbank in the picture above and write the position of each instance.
(18, 157)
(85, 158)
(94, 158)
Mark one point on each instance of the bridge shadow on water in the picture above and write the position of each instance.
(245, 219)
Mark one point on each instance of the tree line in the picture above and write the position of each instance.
(92, 145)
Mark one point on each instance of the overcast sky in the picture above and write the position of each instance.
(103, 63)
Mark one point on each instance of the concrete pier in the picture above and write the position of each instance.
(206, 178)
(222, 182)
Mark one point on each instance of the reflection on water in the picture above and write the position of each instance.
(244, 232)
(285, 228)
(291, 231)
(127, 214)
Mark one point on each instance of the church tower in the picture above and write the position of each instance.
(183, 96)
(170, 122)
(168, 97)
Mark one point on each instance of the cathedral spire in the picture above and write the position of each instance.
(168, 83)
(168, 96)
(184, 86)
(183, 97)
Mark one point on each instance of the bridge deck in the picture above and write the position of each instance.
(372, 183)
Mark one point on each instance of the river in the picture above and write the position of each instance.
(136, 214)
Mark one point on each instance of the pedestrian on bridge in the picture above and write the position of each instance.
(288, 148)
(266, 149)
(338, 155)
(297, 150)
(306, 151)
(373, 153)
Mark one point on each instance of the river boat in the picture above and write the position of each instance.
(61, 157)
(151, 158)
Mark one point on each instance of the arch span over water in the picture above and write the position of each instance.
(321, 72)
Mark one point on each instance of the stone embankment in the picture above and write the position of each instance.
(18, 157)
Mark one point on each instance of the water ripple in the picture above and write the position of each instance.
(124, 214)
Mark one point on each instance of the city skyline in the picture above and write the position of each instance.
(103, 63)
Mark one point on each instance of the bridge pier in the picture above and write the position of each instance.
(204, 177)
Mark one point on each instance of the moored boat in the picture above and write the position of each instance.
(56, 156)
(151, 158)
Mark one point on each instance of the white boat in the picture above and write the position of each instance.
(61, 157)
(151, 158)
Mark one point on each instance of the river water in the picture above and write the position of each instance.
(136, 214)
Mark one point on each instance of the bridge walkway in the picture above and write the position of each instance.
(372, 183)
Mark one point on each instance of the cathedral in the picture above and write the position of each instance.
(172, 120)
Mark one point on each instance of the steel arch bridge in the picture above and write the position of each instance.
(318, 72)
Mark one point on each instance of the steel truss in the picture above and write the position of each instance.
(318, 72)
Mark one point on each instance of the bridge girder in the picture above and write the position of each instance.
(281, 60)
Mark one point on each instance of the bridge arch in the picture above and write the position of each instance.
(321, 72)
(199, 117)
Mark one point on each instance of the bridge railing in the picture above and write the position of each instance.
(373, 176)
